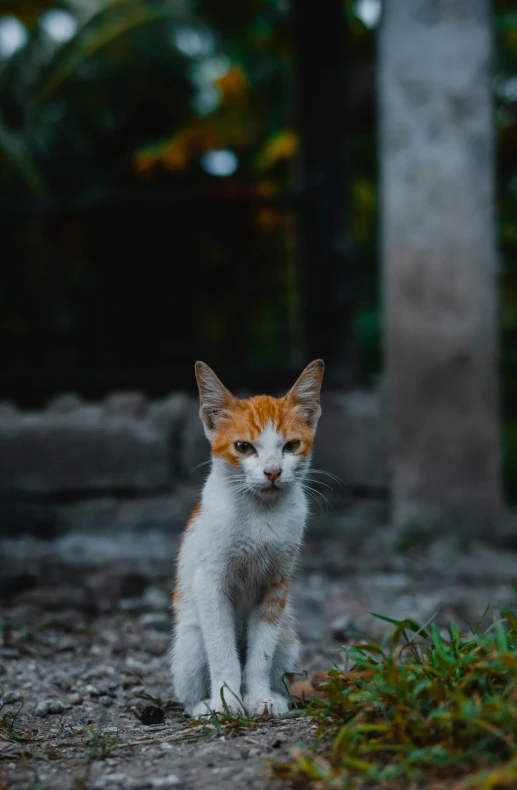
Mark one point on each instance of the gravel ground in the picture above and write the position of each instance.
(85, 630)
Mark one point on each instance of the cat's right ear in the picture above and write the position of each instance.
(214, 399)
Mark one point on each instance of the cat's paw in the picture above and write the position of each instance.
(268, 704)
(208, 706)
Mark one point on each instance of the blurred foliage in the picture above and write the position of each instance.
(137, 97)
(129, 105)
(506, 116)
(429, 708)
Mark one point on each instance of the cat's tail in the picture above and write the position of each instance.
(302, 690)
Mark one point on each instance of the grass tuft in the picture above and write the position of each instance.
(11, 727)
(226, 723)
(101, 743)
(429, 708)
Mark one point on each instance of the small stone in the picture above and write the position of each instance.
(108, 780)
(156, 600)
(135, 667)
(150, 714)
(9, 652)
(157, 620)
(164, 781)
(132, 682)
(93, 691)
(65, 684)
(75, 698)
(99, 671)
(107, 702)
(46, 707)
(12, 696)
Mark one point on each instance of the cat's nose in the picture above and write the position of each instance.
(273, 474)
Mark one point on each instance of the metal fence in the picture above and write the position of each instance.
(139, 284)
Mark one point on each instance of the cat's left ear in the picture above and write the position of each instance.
(305, 395)
(214, 399)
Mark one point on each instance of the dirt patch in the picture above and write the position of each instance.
(85, 633)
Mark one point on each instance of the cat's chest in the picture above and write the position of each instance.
(255, 561)
(250, 571)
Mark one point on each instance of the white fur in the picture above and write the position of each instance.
(234, 549)
(246, 536)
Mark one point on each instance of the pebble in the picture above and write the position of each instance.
(156, 600)
(132, 665)
(150, 714)
(9, 652)
(164, 781)
(110, 779)
(65, 684)
(75, 698)
(93, 691)
(51, 706)
(12, 697)
(107, 702)
(157, 620)
(99, 671)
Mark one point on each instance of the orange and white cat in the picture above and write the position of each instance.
(235, 628)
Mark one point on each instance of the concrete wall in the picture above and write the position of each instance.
(129, 461)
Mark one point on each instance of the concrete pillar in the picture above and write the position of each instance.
(439, 261)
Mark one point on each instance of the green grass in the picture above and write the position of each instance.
(101, 743)
(226, 723)
(11, 723)
(427, 709)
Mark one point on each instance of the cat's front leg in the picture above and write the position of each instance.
(218, 626)
(264, 628)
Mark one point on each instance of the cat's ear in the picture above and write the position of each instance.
(305, 395)
(214, 399)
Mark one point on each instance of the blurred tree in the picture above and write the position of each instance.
(115, 100)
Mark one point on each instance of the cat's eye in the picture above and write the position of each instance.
(292, 446)
(244, 448)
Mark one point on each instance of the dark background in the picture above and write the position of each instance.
(128, 250)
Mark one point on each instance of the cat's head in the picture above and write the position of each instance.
(265, 442)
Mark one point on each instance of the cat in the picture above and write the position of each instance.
(235, 634)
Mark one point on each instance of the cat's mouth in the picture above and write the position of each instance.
(271, 488)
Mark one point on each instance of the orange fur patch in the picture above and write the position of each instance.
(176, 594)
(303, 689)
(275, 601)
(247, 419)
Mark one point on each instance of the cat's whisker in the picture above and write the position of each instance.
(314, 499)
(329, 474)
(319, 482)
(315, 491)
(203, 463)
(237, 488)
